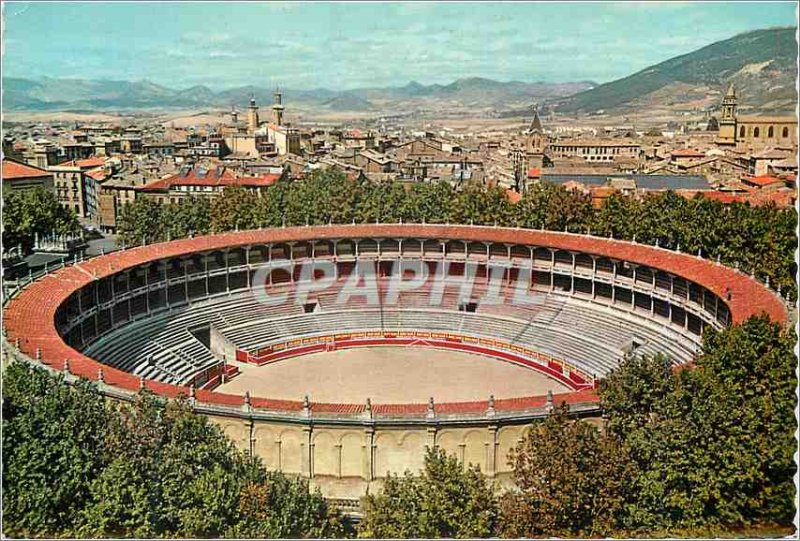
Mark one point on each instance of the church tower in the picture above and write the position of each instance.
(277, 109)
(727, 121)
(252, 115)
(535, 143)
(536, 134)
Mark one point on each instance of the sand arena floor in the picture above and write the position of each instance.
(390, 374)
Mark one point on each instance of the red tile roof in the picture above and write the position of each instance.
(90, 163)
(31, 315)
(722, 197)
(212, 177)
(763, 180)
(98, 174)
(13, 170)
(534, 172)
(782, 198)
(687, 153)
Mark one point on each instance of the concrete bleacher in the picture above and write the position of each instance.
(590, 336)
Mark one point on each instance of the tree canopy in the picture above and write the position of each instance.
(27, 213)
(698, 450)
(448, 499)
(76, 465)
(571, 480)
(712, 444)
(760, 240)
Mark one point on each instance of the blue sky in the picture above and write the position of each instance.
(349, 45)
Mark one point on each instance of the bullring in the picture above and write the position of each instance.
(179, 317)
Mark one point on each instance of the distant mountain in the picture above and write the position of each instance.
(762, 64)
(198, 93)
(475, 92)
(60, 94)
(348, 102)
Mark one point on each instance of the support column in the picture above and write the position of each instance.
(491, 452)
(227, 272)
(530, 271)
(307, 450)
(247, 261)
(432, 437)
(96, 286)
(186, 280)
(594, 277)
(572, 275)
(369, 454)
(251, 425)
(80, 317)
(166, 283)
(205, 264)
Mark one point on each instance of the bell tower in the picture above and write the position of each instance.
(252, 115)
(536, 134)
(277, 108)
(535, 143)
(727, 121)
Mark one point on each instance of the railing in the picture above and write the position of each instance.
(306, 416)
(66, 261)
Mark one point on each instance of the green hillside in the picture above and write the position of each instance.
(715, 66)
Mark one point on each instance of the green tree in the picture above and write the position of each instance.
(75, 465)
(479, 205)
(192, 216)
(713, 444)
(275, 506)
(52, 437)
(550, 206)
(618, 217)
(30, 212)
(570, 479)
(141, 222)
(122, 504)
(446, 500)
(234, 209)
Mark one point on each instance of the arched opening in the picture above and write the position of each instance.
(741, 131)
(756, 132)
(786, 132)
(771, 132)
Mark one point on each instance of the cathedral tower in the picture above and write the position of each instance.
(727, 121)
(536, 134)
(277, 109)
(535, 143)
(252, 115)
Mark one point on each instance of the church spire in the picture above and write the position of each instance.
(536, 123)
